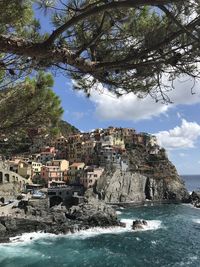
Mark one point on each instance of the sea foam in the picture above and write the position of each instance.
(82, 234)
(151, 225)
(30, 237)
(196, 220)
(118, 212)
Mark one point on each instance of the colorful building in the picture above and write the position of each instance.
(75, 172)
(90, 176)
(51, 174)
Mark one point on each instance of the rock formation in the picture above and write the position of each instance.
(150, 177)
(195, 199)
(139, 224)
(32, 216)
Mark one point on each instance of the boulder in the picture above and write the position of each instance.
(10, 224)
(2, 229)
(195, 199)
(197, 204)
(59, 218)
(94, 213)
(139, 224)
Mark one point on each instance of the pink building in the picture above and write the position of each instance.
(90, 176)
(47, 154)
(51, 174)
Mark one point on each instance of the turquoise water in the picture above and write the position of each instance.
(172, 239)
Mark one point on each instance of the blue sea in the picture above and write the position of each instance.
(171, 239)
(192, 182)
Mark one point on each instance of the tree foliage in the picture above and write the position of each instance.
(128, 46)
(30, 104)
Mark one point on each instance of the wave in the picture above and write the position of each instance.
(29, 237)
(118, 212)
(151, 225)
(196, 220)
(82, 234)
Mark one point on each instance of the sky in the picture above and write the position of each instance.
(177, 125)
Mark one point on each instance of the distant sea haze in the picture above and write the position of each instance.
(192, 182)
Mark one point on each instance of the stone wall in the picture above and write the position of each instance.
(11, 183)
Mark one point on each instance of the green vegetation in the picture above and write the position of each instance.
(28, 109)
(124, 45)
(67, 129)
(30, 104)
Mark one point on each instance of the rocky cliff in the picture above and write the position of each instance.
(150, 176)
(35, 215)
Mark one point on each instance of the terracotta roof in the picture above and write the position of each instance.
(76, 164)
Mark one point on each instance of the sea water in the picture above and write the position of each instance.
(171, 239)
(192, 182)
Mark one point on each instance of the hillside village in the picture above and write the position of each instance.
(76, 160)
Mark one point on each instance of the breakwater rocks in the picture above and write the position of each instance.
(35, 216)
(195, 199)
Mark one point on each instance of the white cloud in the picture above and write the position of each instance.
(180, 137)
(129, 107)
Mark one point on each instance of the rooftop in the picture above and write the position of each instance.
(76, 164)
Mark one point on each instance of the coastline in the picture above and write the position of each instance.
(124, 226)
(85, 231)
(37, 216)
(70, 222)
(144, 203)
(168, 224)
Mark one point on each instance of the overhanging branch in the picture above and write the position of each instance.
(94, 10)
(182, 27)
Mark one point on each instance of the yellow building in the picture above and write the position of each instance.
(24, 169)
(61, 163)
(118, 141)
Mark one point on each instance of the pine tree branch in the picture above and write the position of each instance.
(95, 9)
(131, 56)
(182, 27)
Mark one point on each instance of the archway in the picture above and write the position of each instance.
(7, 178)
